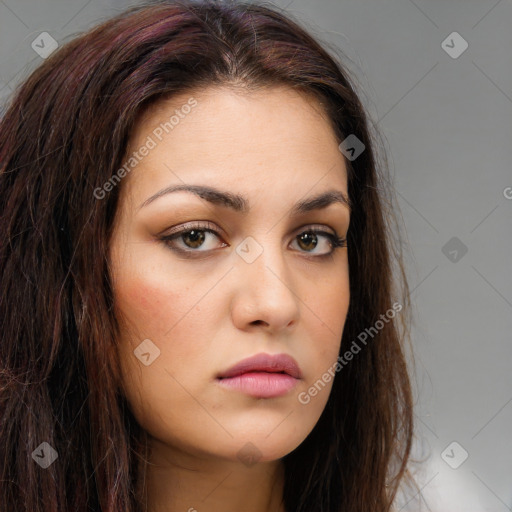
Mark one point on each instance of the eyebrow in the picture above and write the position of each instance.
(240, 203)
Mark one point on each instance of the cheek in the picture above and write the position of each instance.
(330, 304)
(157, 307)
(327, 311)
(151, 310)
(334, 306)
(148, 304)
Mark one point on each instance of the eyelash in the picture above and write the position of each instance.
(335, 241)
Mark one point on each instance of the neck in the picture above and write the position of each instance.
(175, 481)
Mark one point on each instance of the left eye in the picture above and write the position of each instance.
(308, 240)
(194, 237)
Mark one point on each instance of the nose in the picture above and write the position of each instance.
(265, 293)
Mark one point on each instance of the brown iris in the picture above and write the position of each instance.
(197, 237)
(308, 238)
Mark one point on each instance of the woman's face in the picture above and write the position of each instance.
(260, 282)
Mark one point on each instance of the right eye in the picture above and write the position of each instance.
(190, 238)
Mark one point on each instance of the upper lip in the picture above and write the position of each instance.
(264, 363)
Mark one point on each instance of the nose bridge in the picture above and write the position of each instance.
(263, 270)
(263, 258)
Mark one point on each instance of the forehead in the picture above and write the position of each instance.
(249, 140)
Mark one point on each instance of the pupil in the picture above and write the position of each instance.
(311, 237)
(196, 236)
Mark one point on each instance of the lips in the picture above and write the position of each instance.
(278, 363)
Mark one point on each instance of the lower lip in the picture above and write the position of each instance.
(262, 384)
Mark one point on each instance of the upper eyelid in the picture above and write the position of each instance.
(210, 227)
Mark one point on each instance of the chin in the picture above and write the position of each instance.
(262, 447)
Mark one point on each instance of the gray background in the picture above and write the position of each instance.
(447, 124)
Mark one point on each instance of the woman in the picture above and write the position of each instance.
(198, 303)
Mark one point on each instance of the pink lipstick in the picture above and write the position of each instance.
(262, 376)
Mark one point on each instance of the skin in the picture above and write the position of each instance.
(206, 313)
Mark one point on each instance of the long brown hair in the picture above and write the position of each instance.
(63, 136)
